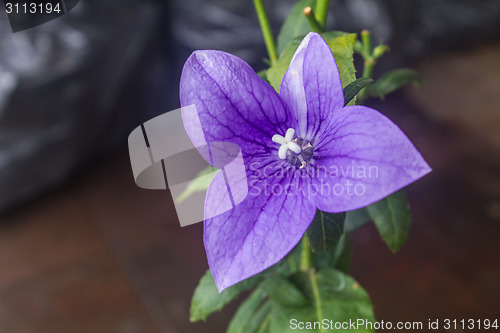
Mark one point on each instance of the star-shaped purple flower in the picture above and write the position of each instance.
(303, 150)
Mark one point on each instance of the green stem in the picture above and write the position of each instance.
(368, 67)
(306, 255)
(313, 23)
(369, 60)
(317, 298)
(322, 12)
(265, 26)
(366, 39)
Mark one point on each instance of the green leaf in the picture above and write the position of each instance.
(295, 24)
(392, 218)
(244, 316)
(325, 230)
(392, 81)
(353, 88)
(334, 296)
(355, 219)
(339, 259)
(343, 254)
(261, 321)
(342, 46)
(290, 264)
(263, 75)
(206, 298)
(340, 43)
(276, 72)
(283, 291)
(199, 184)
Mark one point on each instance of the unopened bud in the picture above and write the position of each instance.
(380, 50)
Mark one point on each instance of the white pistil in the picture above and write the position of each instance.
(282, 151)
(286, 143)
(279, 139)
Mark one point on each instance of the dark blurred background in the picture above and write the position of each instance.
(82, 249)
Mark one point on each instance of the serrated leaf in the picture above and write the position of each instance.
(340, 43)
(199, 184)
(392, 81)
(334, 297)
(325, 230)
(282, 291)
(392, 218)
(342, 46)
(295, 24)
(206, 299)
(355, 219)
(353, 88)
(246, 312)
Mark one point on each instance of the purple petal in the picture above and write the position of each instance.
(311, 87)
(233, 103)
(260, 231)
(363, 158)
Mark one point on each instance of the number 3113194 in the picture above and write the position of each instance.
(32, 8)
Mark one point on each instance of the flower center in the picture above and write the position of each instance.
(296, 151)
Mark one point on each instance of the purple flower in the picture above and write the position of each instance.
(303, 150)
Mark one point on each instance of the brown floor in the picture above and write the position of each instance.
(102, 255)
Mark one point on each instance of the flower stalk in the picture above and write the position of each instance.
(265, 26)
(322, 13)
(313, 22)
(370, 57)
(366, 40)
(306, 255)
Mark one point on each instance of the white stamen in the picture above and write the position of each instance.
(286, 143)
(304, 163)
